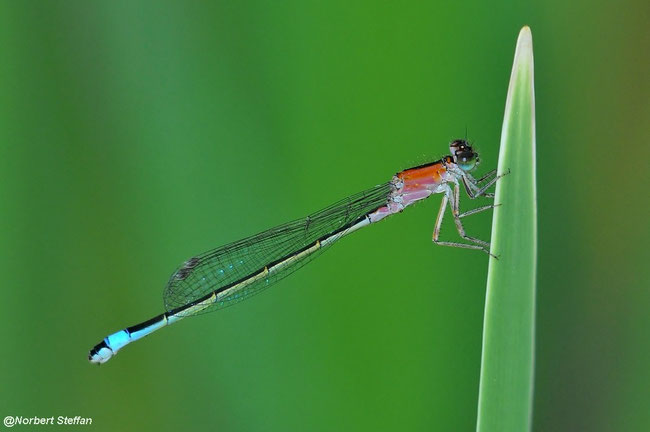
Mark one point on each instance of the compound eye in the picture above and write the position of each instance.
(466, 160)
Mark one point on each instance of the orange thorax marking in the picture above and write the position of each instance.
(421, 177)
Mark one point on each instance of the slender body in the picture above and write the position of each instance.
(234, 272)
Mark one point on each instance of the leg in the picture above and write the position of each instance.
(436, 230)
(473, 183)
(478, 210)
(459, 224)
(473, 190)
(483, 178)
(487, 175)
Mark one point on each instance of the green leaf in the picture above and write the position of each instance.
(507, 363)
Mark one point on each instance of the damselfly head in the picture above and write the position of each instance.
(464, 156)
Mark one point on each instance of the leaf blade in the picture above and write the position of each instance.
(507, 362)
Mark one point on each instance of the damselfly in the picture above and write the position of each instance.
(236, 271)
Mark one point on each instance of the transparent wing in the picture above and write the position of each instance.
(235, 262)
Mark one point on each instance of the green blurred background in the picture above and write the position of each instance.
(134, 135)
